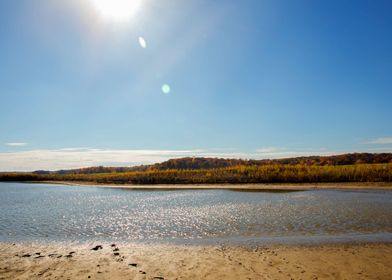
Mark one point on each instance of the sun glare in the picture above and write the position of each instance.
(117, 10)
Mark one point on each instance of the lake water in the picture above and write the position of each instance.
(41, 212)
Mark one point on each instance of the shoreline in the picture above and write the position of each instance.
(138, 261)
(238, 187)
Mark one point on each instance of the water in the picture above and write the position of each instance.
(41, 212)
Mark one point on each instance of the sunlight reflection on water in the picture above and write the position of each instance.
(44, 212)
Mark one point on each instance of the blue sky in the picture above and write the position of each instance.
(251, 78)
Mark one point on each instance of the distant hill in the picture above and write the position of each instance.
(357, 167)
(198, 163)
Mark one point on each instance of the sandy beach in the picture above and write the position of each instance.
(135, 261)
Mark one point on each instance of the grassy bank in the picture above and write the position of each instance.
(230, 175)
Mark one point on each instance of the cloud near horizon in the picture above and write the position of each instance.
(380, 141)
(68, 158)
(16, 144)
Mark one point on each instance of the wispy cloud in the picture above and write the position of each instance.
(16, 144)
(284, 152)
(79, 157)
(268, 150)
(84, 157)
(380, 141)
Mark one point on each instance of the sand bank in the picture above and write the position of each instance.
(59, 261)
(243, 187)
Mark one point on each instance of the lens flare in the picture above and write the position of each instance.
(142, 42)
(166, 89)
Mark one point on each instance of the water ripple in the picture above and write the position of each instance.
(65, 213)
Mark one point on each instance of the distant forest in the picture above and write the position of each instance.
(356, 167)
(197, 163)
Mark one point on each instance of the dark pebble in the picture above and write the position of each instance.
(113, 245)
(26, 256)
(116, 249)
(116, 254)
(142, 272)
(133, 264)
(158, 277)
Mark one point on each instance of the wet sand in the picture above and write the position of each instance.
(238, 187)
(135, 261)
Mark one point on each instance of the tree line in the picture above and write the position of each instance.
(198, 163)
(240, 174)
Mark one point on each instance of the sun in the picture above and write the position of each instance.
(117, 10)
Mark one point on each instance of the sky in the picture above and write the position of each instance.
(86, 83)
